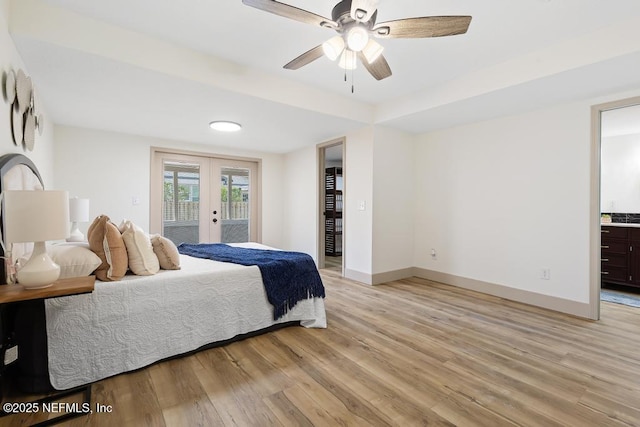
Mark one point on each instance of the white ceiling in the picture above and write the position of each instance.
(166, 68)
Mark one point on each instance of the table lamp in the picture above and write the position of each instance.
(78, 212)
(37, 216)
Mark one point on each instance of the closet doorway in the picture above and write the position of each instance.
(332, 201)
(197, 198)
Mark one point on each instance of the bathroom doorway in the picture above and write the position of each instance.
(620, 204)
(603, 126)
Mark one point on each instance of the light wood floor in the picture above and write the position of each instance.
(333, 263)
(408, 353)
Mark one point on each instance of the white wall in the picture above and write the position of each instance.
(110, 168)
(301, 203)
(378, 171)
(358, 224)
(302, 209)
(42, 155)
(620, 174)
(502, 199)
(393, 200)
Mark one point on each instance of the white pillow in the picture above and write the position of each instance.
(142, 260)
(74, 259)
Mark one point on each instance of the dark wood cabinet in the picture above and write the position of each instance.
(634, 256)
(614, 254)
(332, 212)
(620, 255)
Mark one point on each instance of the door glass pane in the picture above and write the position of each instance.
(234, 198)
(181, 202)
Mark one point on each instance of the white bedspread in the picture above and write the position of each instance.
(130, 324)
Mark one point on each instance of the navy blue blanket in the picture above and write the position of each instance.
(288, 277)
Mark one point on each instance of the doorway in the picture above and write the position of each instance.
(603, 125)
(196, 198)
(331, 248)
(620, 202)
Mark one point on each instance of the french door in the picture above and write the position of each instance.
(198, 199)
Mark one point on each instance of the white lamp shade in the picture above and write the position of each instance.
(333, 47)
(36, 216)
(372, 51)
(348, 60)
(357, 38)
(78, 210)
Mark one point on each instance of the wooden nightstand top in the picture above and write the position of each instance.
(62, 287)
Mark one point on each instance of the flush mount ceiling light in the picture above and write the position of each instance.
(355, 23)
(225, 126)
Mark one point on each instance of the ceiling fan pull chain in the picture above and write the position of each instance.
(352, 81)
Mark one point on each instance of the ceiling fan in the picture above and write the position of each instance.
(355, 23)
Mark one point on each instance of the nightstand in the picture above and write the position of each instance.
(23, 301)
(61, 288)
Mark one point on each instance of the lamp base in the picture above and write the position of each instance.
(75, 235)
(40, 271)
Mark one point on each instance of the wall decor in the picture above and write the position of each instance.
(19, 93)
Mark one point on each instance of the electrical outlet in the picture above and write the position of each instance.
(545, 274)
(434, 254)
(11, 355)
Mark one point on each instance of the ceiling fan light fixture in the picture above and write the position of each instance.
(372, 51)
(333, 47)
(356, 22)
(357, 38)
(348, 60)
(225, 126)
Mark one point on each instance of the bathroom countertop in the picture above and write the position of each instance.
(620, 224)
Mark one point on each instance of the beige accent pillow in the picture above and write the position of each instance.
(74, 259)
(166, 251)
(142, 260)
(106, 241)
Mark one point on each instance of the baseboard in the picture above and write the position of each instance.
(545, 301)
(390, 276)
(527, 297)
(378, 278)
(358, 276)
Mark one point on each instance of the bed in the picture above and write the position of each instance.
(129, 324)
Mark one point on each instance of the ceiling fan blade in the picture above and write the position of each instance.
(427, 26)
(306, 58)
(291, 12)
(379, 68)
(363, 10)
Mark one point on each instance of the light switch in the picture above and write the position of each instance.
(362, 205)
(135, 200)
